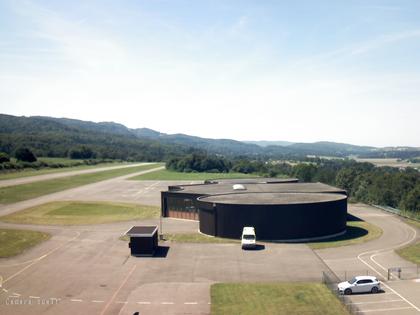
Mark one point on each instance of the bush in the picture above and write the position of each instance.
(4, 157)
(25, 155)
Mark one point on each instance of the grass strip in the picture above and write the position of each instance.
(22, 192)
(274, 298)
(410, 253)
(357, 232)
(171, 175)
(14, 242)
(35, 172)
(76, 213)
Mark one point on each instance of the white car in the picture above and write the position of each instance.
(360, 284)
(248, 239)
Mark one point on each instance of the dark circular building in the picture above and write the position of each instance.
(283, 210)
(275, 216)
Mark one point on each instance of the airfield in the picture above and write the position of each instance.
(87, 269)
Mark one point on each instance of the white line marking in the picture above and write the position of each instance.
(34, 297)
(16, 294)
(5, 290)
(167, 303)
(76, 300)
(387, 249)
(121, 302)
(42, 257)
(190, 303)
(385, 309)
(373, 302)
(144, 303)
(97, 301)
(369, 295)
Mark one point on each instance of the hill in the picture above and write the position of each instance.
(49, 136)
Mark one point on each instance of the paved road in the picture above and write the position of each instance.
(374, 258)
(86, 269)
(32, 179)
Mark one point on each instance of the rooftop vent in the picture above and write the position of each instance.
(239, 187)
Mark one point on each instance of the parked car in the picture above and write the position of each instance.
(248, 239)
(360, 284)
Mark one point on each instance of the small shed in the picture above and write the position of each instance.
(143, 240)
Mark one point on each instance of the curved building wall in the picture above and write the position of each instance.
(274, 221)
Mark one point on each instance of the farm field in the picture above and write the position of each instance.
(390, 162)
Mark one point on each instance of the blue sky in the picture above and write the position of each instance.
(345, 71)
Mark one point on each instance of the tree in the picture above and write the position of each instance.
(82, 153)
(25, 155)
(411, 201)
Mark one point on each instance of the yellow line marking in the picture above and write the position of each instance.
(118, 290)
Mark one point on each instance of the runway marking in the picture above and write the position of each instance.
(385, 309)
(121, 302)
(34, 297)
(118, 290)
(5, 290)
(190, 303)
(153, 185)
(76, 300)
(16, 294)
(97, 301)
(167, 303)
(144, 303)
(374, 302)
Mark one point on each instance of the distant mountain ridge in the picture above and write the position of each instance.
(55, 136)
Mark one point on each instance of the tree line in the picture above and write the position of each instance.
(363, 182)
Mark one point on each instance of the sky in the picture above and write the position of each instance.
(301, 71)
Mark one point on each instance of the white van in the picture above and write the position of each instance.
(248, 239)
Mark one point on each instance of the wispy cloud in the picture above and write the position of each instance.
(73, 39)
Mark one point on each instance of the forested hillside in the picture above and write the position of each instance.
(57, 137)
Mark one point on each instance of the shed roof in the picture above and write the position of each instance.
(142, 231)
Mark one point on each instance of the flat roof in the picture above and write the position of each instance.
(272, 198)
(224, 188)
(142, 231)
(256, 180)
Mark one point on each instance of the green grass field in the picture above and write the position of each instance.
(274, 298)
(34, 172)
(410, 253)
(17, 193)
(14, 242)
(357, 232)
(170, 175)
(76, 213)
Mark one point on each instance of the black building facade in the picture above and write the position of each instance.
(278, 210)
